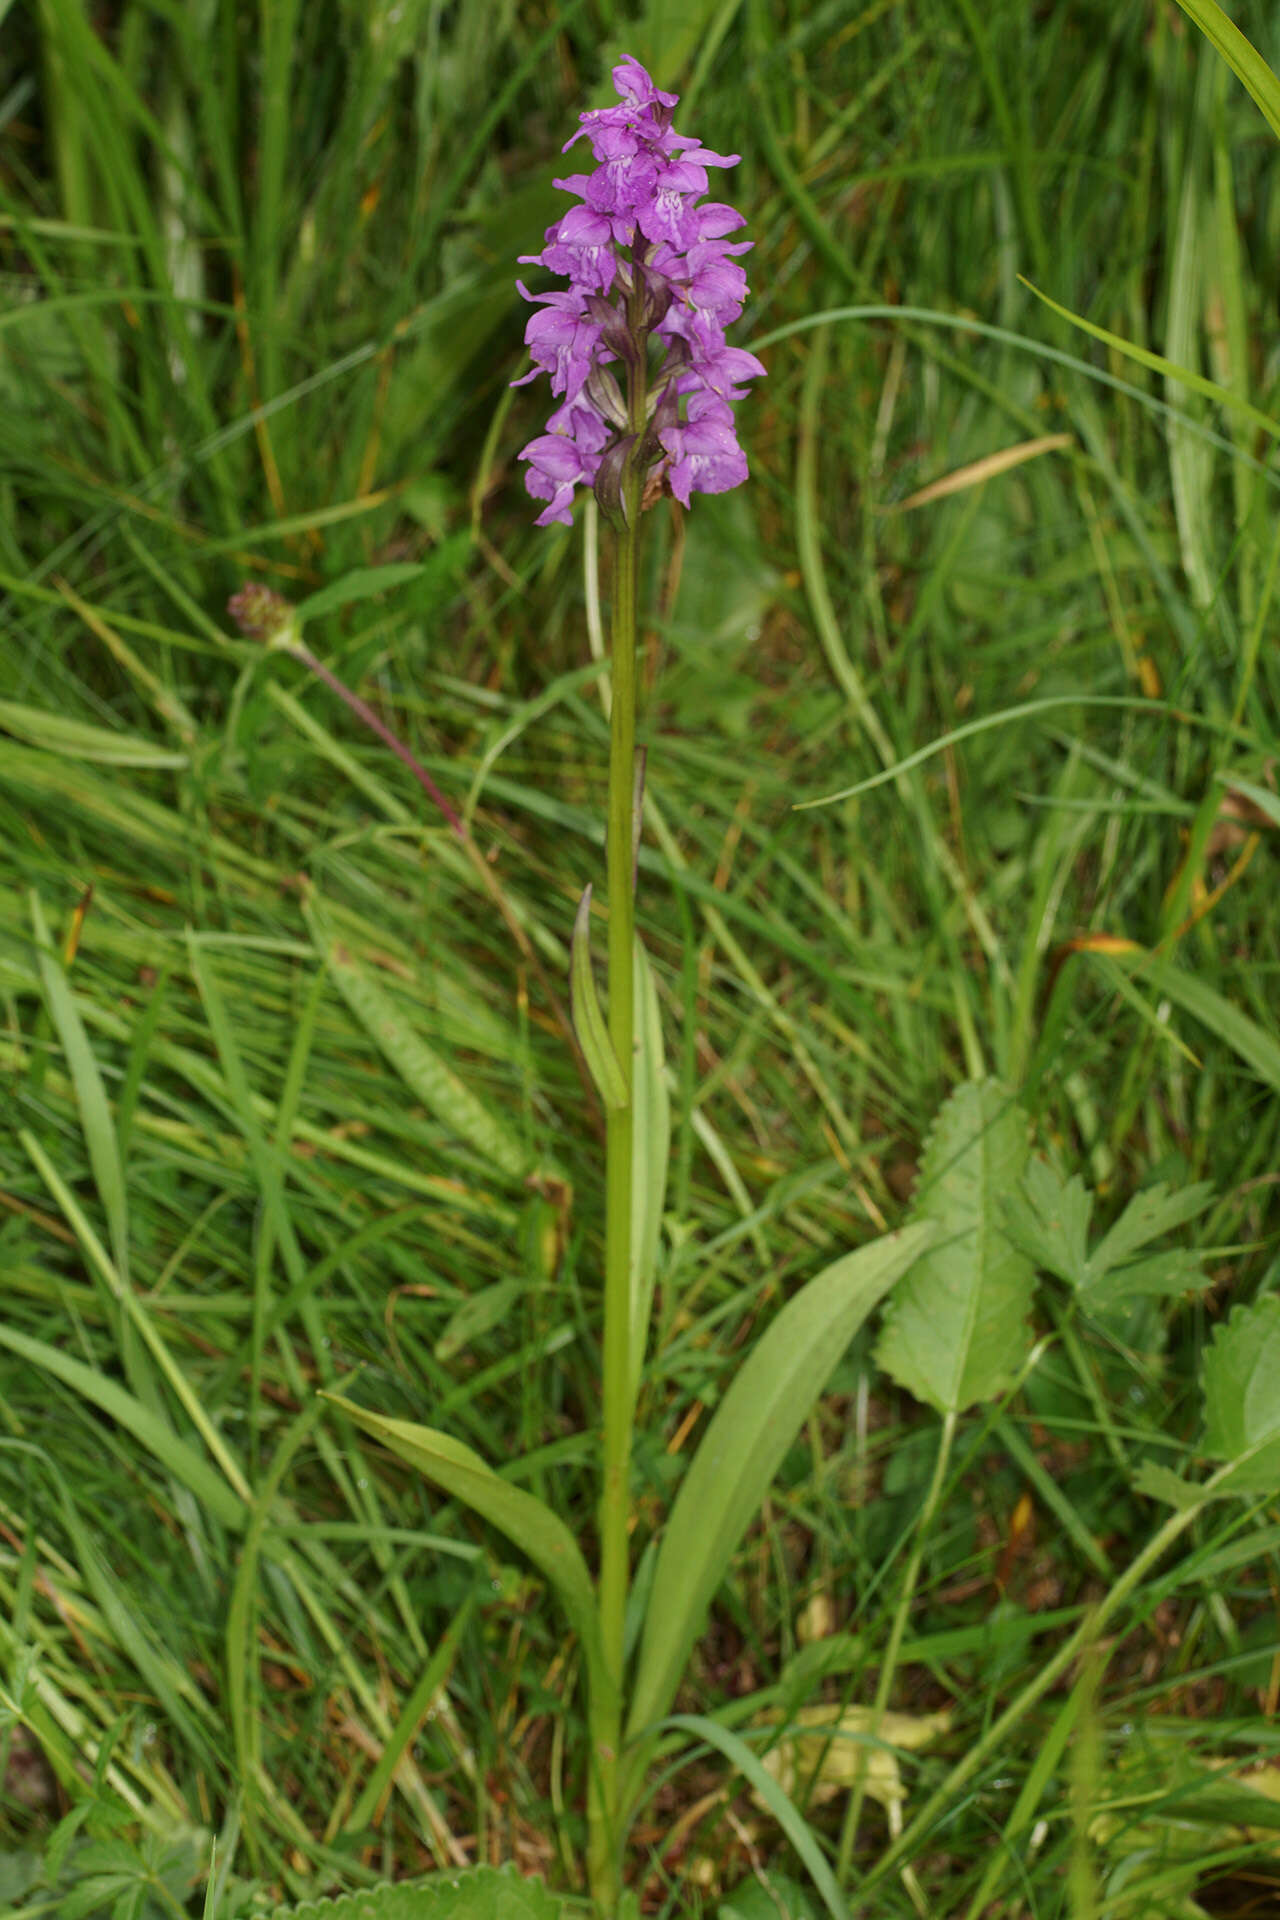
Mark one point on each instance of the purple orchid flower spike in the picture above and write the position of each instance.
(647, 260)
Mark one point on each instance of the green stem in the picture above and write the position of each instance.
(888, 1666)
(615, 1493)
(1084, 1637)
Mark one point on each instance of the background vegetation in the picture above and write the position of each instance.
(258, 327)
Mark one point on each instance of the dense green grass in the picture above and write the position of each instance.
(259, 325)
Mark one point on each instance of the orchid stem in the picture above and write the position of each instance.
(615, 1491)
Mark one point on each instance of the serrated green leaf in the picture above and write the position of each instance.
(741, 1451)
(479, 1893)
(1048, 1217)
(1149, 1214)
(438, 1087)
(650, 1156)
(779, 1899)
(540, 1534)
(1158, 1483)
(1242, 1398)
(1179, 1270)
(955, 1331)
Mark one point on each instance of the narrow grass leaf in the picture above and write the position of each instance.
(136, 1320)
(759, 1417)
(1263, 799)
(956, 1331)
(419, 1066)
(1240, 55)
(241, 1639)
(91, 1097)
(784, 1811)
(1185, 376)
(977, 472)
(413, 1713)
(361, 584)
(60, 733)
(156, 1437)
(1259, 1051)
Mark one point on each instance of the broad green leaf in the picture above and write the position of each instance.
(588, 1021)
(361, 584)
(955, 1332)
(741, 1451)
(650, 1156)
(458, 1470)
(1048, 1218)
(77, 740)
(441, 1091)
(1242, 1397)
(1240, 55)
(478, 1893)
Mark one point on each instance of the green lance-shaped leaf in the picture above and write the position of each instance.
(588, 1020)
(1242, 1398)
(419, 1066)
(955, 1332)
(478, 1893)
(741, 1451)
(650, 1157)
(458, 1470)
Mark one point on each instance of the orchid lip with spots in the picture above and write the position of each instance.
(647, 259)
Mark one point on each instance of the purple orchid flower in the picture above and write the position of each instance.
(647, 261)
